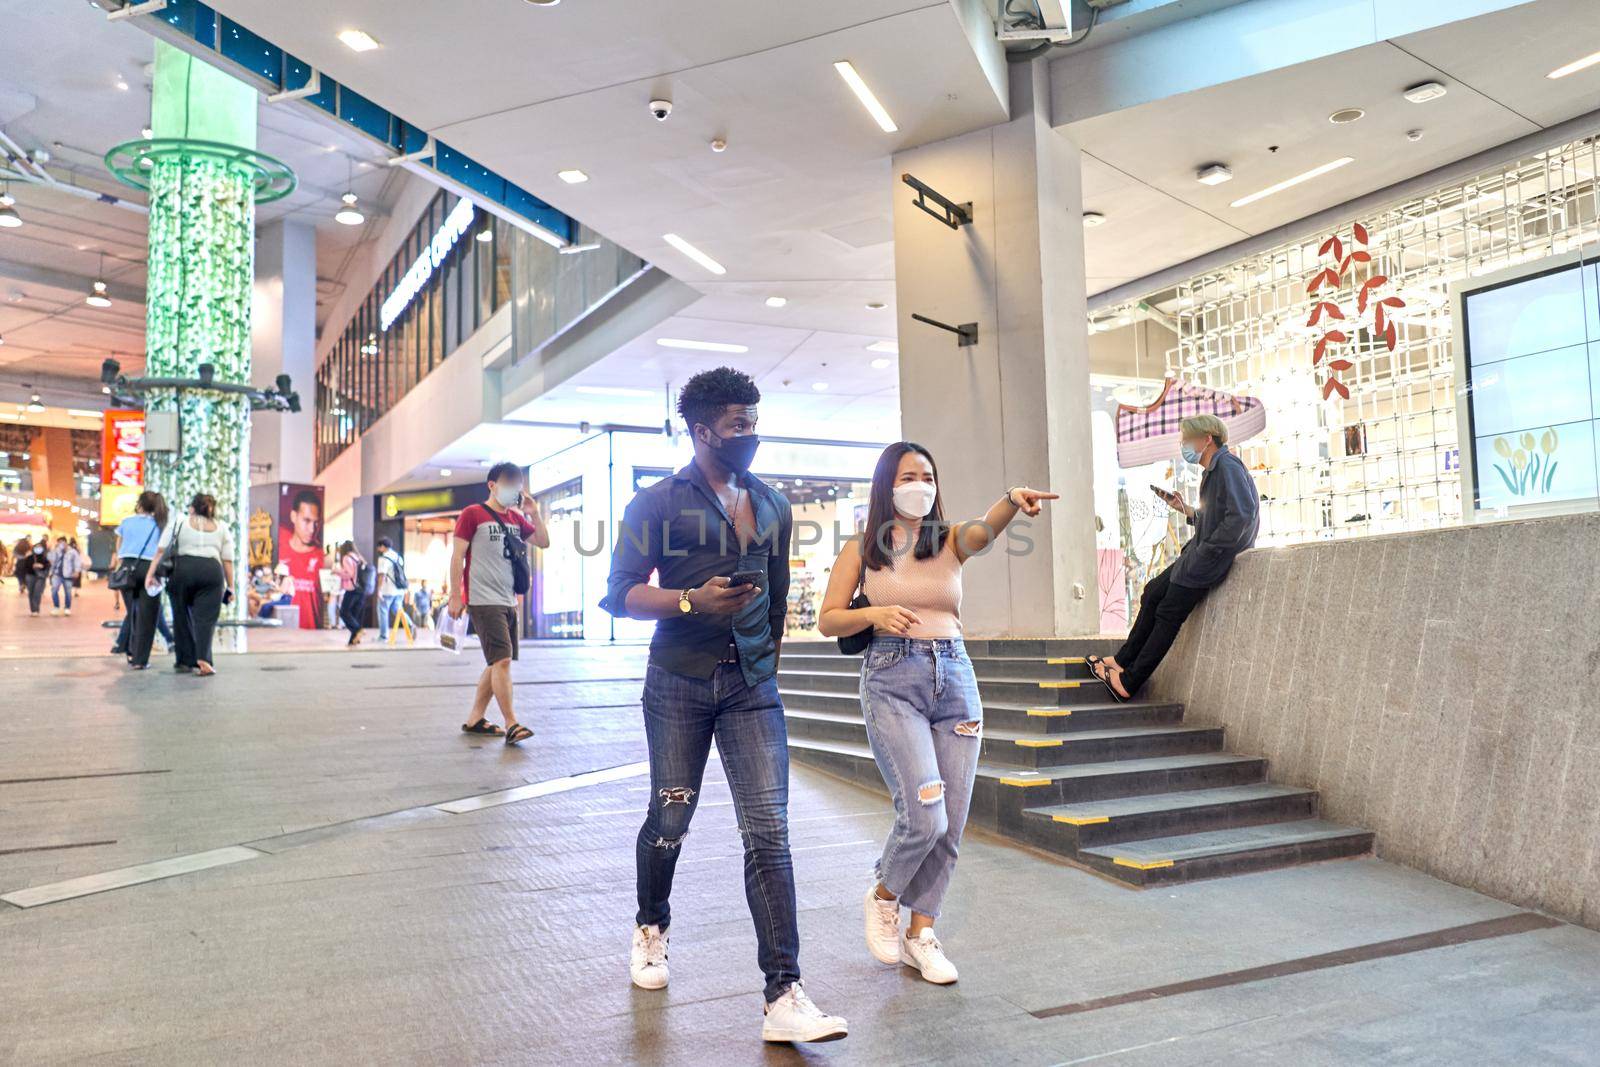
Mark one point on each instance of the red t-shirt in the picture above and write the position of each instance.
(487, 580)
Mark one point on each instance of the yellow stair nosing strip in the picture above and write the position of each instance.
(1024, 782)
(1062, 684)
(1065, 661)
(1050, 712)
(1138, 866)
(1087, 820)
(1038, 742)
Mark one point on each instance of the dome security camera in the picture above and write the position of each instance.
(661, 109)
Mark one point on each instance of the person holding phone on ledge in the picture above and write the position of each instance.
(717, 537)
(1225, 525)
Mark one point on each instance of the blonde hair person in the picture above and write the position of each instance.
(1225, 523)
(918, 693)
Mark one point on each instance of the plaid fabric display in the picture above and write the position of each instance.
(1150, 434)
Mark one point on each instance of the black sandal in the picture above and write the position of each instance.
(518, 734)
(482, 726)
(1103, 673)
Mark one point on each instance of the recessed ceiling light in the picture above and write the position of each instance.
(864, 94)
(1346, 115)
(573, 176)
(1422, 92)
(146, 132)
(885, 346)
(485, 235)
(875, 305)
(776, 301)
(544, 3)
(1289, 183)
(880, 363)
(612, 390)
(694, 253)
(444, 472)
(821, 387)
(1091, 219)
(358, 40)
(349, 215)
(1576, 65)
(1213, 174)
(700, 346)
(121, 85)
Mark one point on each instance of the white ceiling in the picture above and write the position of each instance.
(58, 92)
(1140, 162)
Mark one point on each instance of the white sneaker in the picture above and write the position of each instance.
(926, 954)
(55, 611)
(649, 962)
(792, 1017)
(69, 611)
(883, 927)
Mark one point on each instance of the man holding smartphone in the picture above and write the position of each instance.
(1225, 525)
(718, 539)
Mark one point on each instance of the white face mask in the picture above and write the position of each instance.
(508, 495)
(915, 498)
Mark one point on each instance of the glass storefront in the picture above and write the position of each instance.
(455, 269)
(1354, 340)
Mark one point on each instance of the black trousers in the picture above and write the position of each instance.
(34, 584)
(1163, 609)
(351, 610)
(196, 592)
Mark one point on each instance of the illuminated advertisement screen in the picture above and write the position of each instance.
(1532, 347)
(121, 464)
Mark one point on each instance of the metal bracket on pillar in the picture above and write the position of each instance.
(133, 10)
(310, 88)
(425, 152)
(966, 333)
(953, 215)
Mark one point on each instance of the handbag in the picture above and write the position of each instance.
(521, 579)
(857, 643)
(123, 575)
(169, 559)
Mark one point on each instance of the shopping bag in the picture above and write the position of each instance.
(452, 632)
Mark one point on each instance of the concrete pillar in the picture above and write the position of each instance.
(1014, 408)
(50, 462)
(283, 340)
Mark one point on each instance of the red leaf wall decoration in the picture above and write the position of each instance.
(1334, 385)
(1361, 232)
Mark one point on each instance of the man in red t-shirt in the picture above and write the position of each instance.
(489, 538)
(300, 546)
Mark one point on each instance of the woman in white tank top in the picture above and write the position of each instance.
(918, 693)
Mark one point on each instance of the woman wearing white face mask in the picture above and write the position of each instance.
(918, 693)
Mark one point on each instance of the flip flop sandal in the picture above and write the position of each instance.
(1103, 673)
(1092, 661)
(518, 734)
(482, 726)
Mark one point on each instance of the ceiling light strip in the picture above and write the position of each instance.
(1290, 183)
(858, 85)
(694, 253)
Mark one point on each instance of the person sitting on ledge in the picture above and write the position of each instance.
(1225, 525)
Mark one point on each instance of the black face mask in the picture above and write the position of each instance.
(736, 453)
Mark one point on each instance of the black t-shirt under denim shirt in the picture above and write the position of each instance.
(680, 530)
(1225, 522)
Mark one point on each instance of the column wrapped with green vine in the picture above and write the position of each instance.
(201, 268)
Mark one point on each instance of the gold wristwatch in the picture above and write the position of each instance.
(683, 602)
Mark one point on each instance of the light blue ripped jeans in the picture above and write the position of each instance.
(925, 721)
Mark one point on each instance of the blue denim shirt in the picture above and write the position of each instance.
(1225, 523)
(138, 537)
(679, 529)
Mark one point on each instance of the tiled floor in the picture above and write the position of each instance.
(376, 928)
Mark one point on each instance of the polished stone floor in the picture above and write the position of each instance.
(366, 926)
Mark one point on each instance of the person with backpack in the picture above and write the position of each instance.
(357, 579)
(489, 569)
(392, 585)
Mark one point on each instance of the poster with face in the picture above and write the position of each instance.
(300, 545)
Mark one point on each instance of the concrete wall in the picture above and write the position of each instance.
(1441, 688)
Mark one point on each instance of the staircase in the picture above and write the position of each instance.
(1129, 790)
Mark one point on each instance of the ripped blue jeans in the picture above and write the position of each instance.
(681, 716)
(925, 723)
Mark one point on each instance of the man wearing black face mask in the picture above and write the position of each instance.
(712, 675)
